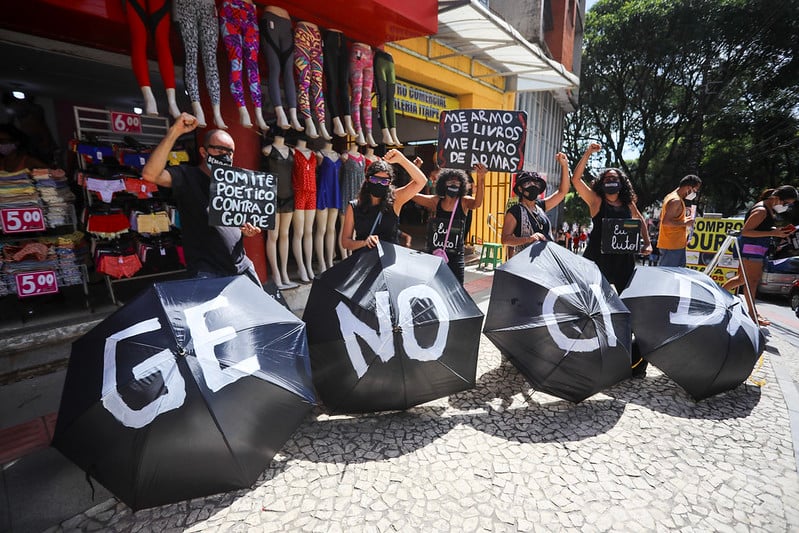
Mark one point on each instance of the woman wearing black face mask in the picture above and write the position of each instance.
(609, 196)
(374, 215)
(451, 194)
(527, 222)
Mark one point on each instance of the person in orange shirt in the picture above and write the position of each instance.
(675, 220)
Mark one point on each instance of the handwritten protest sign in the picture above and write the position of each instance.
(492, 137)
(621, 235)
(437, 231)
(239, 196)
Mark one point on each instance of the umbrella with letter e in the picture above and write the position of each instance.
(559, 321)
(388, 329)
(188, 390)
(697, 333)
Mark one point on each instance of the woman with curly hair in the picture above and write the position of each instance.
(610, 195)
(374, 215)
(451, 193)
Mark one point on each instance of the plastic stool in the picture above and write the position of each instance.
(491, 254)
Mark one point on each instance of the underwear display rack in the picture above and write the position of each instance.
(39, 235)
(133, 225)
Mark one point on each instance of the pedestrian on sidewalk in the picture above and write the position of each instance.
(451, 202)
(527, 222)
(758, 229)
(211, 251)
(675, 220)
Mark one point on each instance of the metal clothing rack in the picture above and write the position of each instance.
(95, 125)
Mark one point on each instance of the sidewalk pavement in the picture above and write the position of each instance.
(641, 456)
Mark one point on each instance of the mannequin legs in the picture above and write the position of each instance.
(387, 140)
(282, 119)
(279, 238)
(244, 117)
(370, 140)
(259, 119)
(197, 109)
(349, 126)
(343, 251)
(302, 242)
(395, 138)
(310, 129)
(218, 117)
(325, 237)
(150, 107)
(338, 127)
(295, 122)
(173, 104)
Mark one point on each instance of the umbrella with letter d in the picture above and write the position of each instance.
(188, 390)
(557, 319)
(697, 333)
(389, 329)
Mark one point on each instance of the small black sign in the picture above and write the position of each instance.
(492, 137)
(437, 231)
(240, 195)
(621, 235)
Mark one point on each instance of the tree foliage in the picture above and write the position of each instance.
(692, 86)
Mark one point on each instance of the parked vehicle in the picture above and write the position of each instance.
(779, 276)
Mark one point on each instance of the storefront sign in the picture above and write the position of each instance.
(492, 137)
(437, 231)
(417, 102)
(21, 219)
(36, 283)
(705, 241)
(239, 196)
(621, 235)
(125, 122)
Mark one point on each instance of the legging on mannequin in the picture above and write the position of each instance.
(385, 81)
(150, 16)
(361, 78)
(335, 65)
(239, 27)
(198, 27)
(308, 60)
(278, 45)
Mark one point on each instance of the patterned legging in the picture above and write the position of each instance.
(197, 22)
(239, 27)
(308, 60)
(361, 79)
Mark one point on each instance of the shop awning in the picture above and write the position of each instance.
(471, 29)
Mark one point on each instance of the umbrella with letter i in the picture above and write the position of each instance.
(697, 333)
(388, 329)
(188, 390)
(559, 321)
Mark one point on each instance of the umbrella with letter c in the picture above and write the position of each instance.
(188, 390)
(697, 333)
(559, 321)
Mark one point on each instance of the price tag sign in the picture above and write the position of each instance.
(125, 122)
(22, 219)
(36, 283)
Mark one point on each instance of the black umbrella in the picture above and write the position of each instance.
(188, 390)
(692, 329)
(554, 315)
(389, 329)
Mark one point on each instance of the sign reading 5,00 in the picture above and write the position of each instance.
(21, 219)
(36, 283)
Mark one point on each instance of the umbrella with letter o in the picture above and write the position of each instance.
(188, 390)
(559, 321)
(388, 329)
(697, 333)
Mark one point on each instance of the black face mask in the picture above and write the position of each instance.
(225, 160)
(531, 193)
(611, 187)
(453, 191)
(377, 190)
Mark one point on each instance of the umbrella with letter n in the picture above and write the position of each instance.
(557, 319)
(388, 329)
(697, 333)
(188, 390)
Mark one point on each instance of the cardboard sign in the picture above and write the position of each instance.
(239, 196)
(492, 137)
(621, 235)
(437, 231)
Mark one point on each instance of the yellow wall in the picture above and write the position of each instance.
(472, 84)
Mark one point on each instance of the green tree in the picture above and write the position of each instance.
(693, 86)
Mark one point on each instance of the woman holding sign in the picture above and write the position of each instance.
(610, 195)
(374, 215)
(527, 222)
(450, 206)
